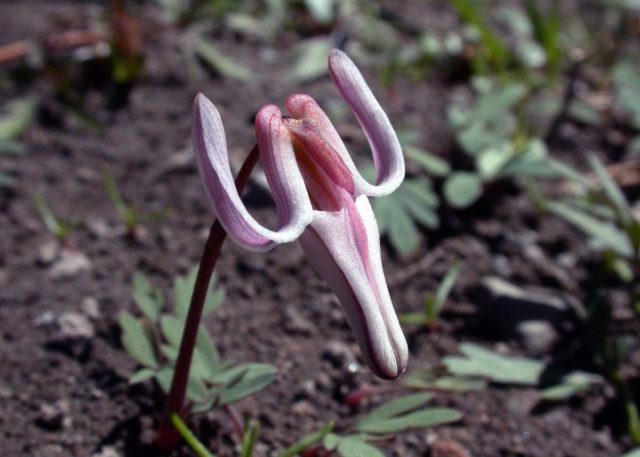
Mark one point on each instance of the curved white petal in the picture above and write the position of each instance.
(387, 152)
(343, 247)
(279, 162)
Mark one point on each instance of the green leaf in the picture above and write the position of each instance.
(169, 352)
(196, 390)
(172, 328)
(194, 443)
(413, 318)
(494, 158)
(570, 174)
(583, 112)
(255, 377)
(249, 25)
(420, 202)
(633, 453)
(476, 138)
(530, 54)
(17, 116)
(546, 30)
(50, 220)
(11, 147)
(625, 76)
(142, 375)
(426, 380)
(321, 10)
(446, 285)
(126, 214)
(207, 348)
(532, 162)
(418, 190)
(402, 232)
(137, 341)
(606, 234)
(572, 384)
(456, 384)
(423, 214)
(461, 189)
(496, 104)
(353, 446)
(308, 440)
(249, 439)
(164, 377)
(215, 297)
(397, 214)
(330, 442)
(429, 417)
(220, 63)
(147, 298)
(311, 59)
(397, 406)
(480, 362)
(496, 51)
(5, 179)
(429, 162)
(183, 289)
(634, 146)
(609, 186)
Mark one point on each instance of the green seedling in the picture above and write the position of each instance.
(249, 439)
(399, 215)
(633, 453)
(478, 363)
(433, 304)
(600, 209)
(492, 54)
(129, 217)
(546, 31)
(395, 416)
(214, 60)
(153, 340)
(17, 116)
(433, 380)
(60, 229)
(490, 134)
(414, 204)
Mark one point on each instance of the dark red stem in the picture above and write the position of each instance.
(236, 420)
(167, 434)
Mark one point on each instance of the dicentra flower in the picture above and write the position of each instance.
(320, 199)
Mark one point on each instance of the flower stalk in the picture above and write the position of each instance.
(167, 436)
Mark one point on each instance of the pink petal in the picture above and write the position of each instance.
(343, 246)
(312, 139)
(387, 153)
(279, 162)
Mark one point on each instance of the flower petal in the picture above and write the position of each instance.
(279, 162)
(311, 138)
(387, 153)
(343, 246)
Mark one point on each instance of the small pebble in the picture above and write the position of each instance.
(48, 252)
(54, 416)
(75, 326)
(338, 353)
(449, 448)
(70, 264)
(90, 307)
(106, 451)
(44, 318)
(303, 408)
